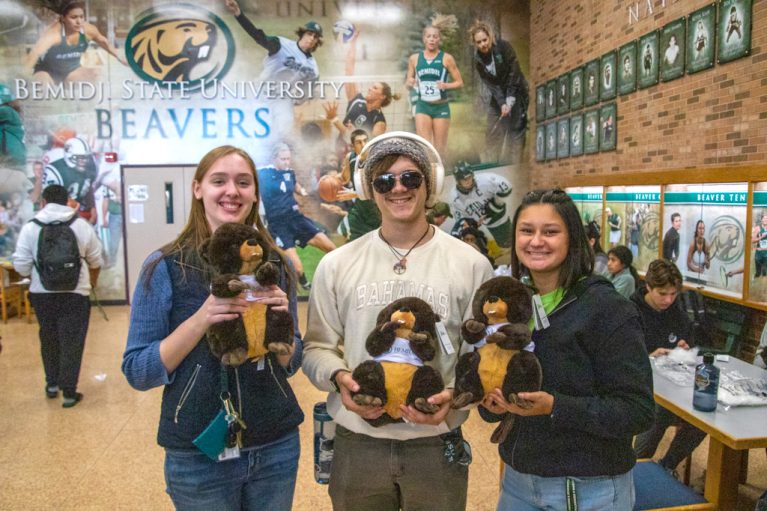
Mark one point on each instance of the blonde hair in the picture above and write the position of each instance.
(481, 26)
(445, 23)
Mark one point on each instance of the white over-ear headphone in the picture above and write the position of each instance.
(437, 178)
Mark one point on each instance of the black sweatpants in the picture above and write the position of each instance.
(63, 319)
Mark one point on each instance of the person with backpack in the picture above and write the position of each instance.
(62, 254)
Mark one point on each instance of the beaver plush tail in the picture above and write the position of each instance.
(503, 429)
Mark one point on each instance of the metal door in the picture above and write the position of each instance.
(157, 201)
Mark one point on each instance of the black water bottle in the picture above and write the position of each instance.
(706, 385)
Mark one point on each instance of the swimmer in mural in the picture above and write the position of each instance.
(427, 72)
(56, 57)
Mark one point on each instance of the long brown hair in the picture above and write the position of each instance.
(189, 242)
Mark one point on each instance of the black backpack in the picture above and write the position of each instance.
(58, 255)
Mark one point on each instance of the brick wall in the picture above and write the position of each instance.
(714, 118)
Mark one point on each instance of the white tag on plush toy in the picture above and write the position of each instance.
(444, 339)
(539, 313)
(250, 280)
(260, 363)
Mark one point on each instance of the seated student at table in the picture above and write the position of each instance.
(666, 326)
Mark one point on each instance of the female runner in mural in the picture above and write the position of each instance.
(362, 112)
(427, 72)
(56, 57)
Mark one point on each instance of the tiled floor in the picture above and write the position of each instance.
(102, 454)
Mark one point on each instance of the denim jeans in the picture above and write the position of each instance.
(525, 492)
(262, 478)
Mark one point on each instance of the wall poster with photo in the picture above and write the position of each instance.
(591, 131)
(608, 81)
(627, 65)
(563, 94)
(551, 99)
(647, 60)
(576, 89)
(588, 200)
(540, 142)
(734, 30)
(638, 208)
(705, 227)
(672, 50)
(551, 140)
(563, 138)
(701, 37)
(757, 287)
(540, 103)
(609, 126)
(591, 79)
(576, 135)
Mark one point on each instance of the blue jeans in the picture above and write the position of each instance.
(262, 478)
(525, 492)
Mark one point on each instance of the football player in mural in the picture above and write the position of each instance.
(427, 72)
(498, 67)
(287, 225)
(56, 57)
(76, 172)
(362, 112)
(287, 60)
(482, 198)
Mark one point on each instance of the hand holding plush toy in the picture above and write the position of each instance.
(502, 356)
(239, 258)
(403, 339)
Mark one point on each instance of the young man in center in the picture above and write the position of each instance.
(401, 465)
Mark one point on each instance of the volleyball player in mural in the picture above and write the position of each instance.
(56, 57)
(362, 112)
(287, 60)
(76, 172)
(427, 72)
(287, 225)
(498, 67)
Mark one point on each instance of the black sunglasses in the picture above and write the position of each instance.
(410, 179)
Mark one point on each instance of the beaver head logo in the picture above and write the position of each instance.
(168, 50)
(178, 43)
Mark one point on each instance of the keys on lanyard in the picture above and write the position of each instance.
(235, 424)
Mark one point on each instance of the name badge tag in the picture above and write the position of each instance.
(260, 363)
(230, 453)
(541, 319)
(444, 339)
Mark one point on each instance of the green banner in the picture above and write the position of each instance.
(721, 198)
(760, 199)
(586, 197)
(646, 197)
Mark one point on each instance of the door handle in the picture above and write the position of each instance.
(168, 203)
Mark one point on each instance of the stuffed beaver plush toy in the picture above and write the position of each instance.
(403, 339)
(503, 352)
(239, 261)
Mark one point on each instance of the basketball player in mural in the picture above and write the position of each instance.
(498, 68)
(56, 57)
(287, 60)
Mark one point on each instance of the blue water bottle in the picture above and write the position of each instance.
(324, 433)
(706, 385)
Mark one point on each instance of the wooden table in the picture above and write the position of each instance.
(731, 431)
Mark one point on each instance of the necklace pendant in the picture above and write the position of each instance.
(400, 266)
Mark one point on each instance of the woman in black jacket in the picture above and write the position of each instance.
(570, 445)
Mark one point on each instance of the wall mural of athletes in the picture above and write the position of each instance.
(157, 83)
